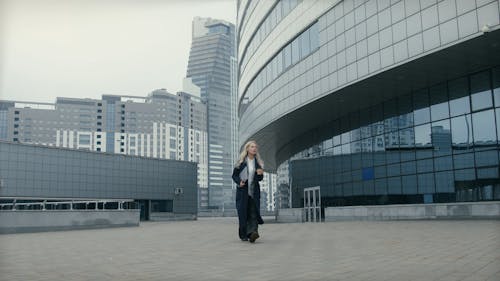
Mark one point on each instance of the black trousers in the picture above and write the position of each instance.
(252, 224)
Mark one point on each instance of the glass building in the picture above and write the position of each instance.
(160, 187)
(376, 102)
(212, 67)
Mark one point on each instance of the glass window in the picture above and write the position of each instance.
(305, 44)
(441, 137)
(404, 104)
(421, 104)
(423, 135)
(408, 168)
(481, 100)
(465, 175)
(425, 165)
(461, 132)
(421, 116)
(394, 185)
(481, 92)
(460, 106)
(421, 99)
(439, 111)
(458, 88)
(279, 9)
(407, 138)
(314, 36)
(497, 111)
(444, 182)
(287, 56)
(295, 51)
(274, 19)
(286, 7)
(336, 140)
(367, 145)
(346, 148)
(279, 63)
(346, 138)
(484, 128)
(409, 184)
(486, 158)
(426, 183)
(496, 85)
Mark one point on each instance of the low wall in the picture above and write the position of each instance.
(290, 215)
(164, 216)
(228, 213)
(47, 220)
(468, 210)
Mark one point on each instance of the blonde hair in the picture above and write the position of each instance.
(244, 154)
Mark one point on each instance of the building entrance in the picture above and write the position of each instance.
(312, 204)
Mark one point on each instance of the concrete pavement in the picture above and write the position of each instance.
(208, 249)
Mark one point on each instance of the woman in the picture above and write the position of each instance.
(247, 173)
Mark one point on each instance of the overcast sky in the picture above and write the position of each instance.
(86, 48)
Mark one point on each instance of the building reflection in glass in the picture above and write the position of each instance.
(438, 144)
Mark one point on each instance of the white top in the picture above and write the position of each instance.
(251, 173)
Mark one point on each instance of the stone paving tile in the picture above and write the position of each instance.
(208, 249)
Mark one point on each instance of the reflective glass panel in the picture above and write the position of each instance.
(498, 121)
(407, 138)
(421, 116)
(461, 131)
(314, 36)
(423, 135)
(481, 100)
(460, 106)
(496, 85)
(305, 44)
(295, 51)
(441, 137)
(346, 138)
(481, 91)
(484, 128)
(287, 56)
(439, 111)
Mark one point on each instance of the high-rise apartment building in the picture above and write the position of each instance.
(212, 67)
(160, 125)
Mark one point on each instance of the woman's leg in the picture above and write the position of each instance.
(252, 224)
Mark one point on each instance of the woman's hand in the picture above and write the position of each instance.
(242, 183)
(260, 172)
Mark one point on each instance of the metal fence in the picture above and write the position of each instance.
(77, 204)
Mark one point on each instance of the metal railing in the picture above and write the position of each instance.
(51, 204)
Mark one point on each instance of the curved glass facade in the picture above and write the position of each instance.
(389, 102)
(437, 144)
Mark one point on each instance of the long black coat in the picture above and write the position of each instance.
(242, 196)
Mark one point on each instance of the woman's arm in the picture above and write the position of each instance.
(236, 175)
(259, 174)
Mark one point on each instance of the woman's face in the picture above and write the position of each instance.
(252, 149)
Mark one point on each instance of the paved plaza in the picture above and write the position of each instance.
(208, 249)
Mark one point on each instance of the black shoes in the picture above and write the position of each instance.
(253, 236)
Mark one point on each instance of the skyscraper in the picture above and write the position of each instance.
(212, 67)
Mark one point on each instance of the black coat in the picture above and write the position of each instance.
(242, 196)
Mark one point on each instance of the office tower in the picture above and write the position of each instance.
(212, 64)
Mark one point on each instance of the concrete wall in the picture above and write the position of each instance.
(469, 210)
(36, 221)
(290, 215)
(165, 216)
